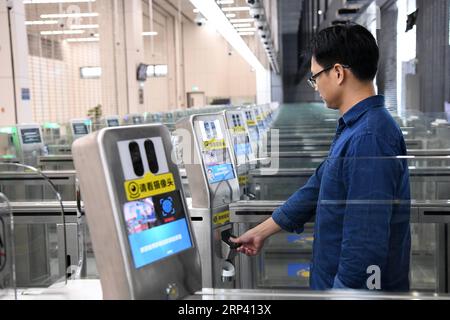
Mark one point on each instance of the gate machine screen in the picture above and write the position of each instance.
(133, 119)
(216, 157)
(80, 127)
(253, 129)
(212, 174)
(136, 212)
(260, 119)
(112, 121)
(244, 157)
(29, 143)
(7, 149)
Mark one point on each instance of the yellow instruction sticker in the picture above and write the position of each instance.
(238, 129)
(303, 274)
(251, 123)
(214, 144)
(150, 185)
(222, 217)
(243, 180)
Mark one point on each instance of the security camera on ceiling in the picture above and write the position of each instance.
(260, 23)
(263, 26)
(264, 32)
(199, 19)
(257, 13)
(254, 3)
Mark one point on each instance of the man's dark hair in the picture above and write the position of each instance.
(348, 44)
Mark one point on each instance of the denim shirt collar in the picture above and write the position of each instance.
(359, 109)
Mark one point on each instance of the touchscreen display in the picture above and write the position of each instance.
(31, 135)
(80, 129)
(113, 122)
(242, 145)
(241, 142)
(156, 228)
(216, 157)
(252, 128)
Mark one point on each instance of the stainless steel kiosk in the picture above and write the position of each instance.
(29, 143)
(80, 127)
(133, 119)
(243, 153)
(136, 213)
(214, 185)
(111, 121)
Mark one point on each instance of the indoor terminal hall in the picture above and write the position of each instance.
(224, 150)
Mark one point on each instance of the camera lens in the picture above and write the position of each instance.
(151, 156)
(136, 159)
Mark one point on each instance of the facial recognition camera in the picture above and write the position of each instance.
(254, 3)
(263, 32)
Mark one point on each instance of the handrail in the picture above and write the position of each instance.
(58, 196)
(253, 211)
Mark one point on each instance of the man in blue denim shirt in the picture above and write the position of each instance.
(360, 194)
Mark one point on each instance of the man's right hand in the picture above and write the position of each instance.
(253, 240)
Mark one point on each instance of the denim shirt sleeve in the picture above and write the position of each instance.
(301, 206)
(369, 178)
(337, 284)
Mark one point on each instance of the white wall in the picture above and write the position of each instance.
(57, 91)
(7, 114)
(210, 67)
(160, 94)
(196, 57)
(406, 51)
(12, 83)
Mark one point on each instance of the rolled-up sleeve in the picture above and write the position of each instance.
(370, 175)
(301, 206)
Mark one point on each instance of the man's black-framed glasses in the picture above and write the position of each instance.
(313, 78)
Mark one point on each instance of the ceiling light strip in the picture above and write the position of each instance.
(69, 15)
(56, 32)
(82, 39)
(246, 33)
(54, 1)
(215, 16)
(245, 29)
(225, 1)
(40, 22)
(241, 20)
(84, 26)
(233, 9)
(242, 25)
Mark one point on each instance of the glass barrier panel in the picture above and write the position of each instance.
(358, 206)
(8, 290)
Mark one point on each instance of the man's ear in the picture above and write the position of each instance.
(340, 74)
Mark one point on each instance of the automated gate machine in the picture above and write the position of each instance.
(214, 184)
(111, 121)
(253, 130)
(29, 143)
(243, 153)
(80, 128)
(137, 214)
(133, 119)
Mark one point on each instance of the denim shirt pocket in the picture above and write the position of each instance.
(333, 168)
